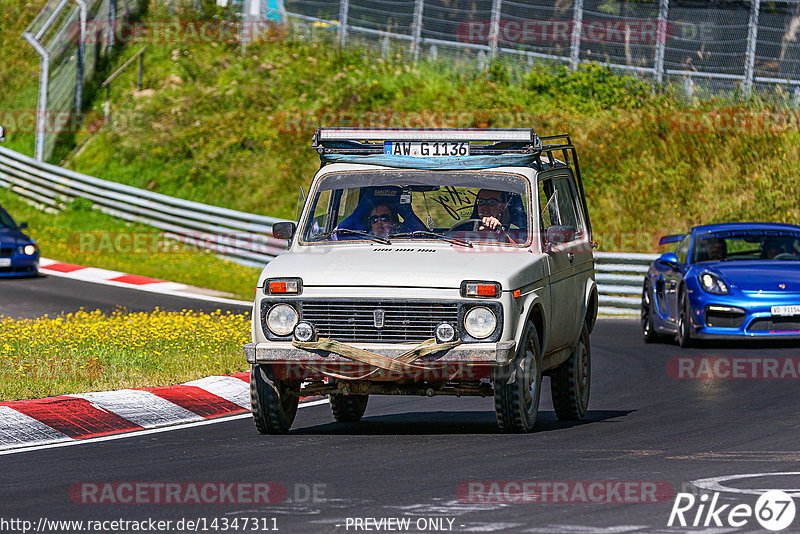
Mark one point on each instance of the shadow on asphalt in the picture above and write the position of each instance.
(442, 423)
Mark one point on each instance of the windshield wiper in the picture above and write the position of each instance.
(348, 231)
(425, 233)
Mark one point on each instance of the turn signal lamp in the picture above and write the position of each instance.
(283, 286)
(480, 289)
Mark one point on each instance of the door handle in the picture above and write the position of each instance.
(571, 257)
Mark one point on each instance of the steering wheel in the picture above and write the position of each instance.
(784, 256)
(476, 223)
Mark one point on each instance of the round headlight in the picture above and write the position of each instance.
(30, 250)
(304, 331)
(281, 319)
(445, 333)
(480, 322)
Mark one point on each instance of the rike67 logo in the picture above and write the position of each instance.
(774, 510)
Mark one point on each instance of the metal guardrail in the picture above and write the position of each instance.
(245, 237)
(619, 277)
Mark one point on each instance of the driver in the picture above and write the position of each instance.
(775, 246)
(490, 206)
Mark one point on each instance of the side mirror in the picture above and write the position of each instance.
(23, 225)
(557, 235)
(283, 230)
(670, 260)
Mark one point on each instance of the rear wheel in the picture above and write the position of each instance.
(348, 408)
(517, 386)
(648, 330)
(570, 381)
(274, 401)
(685, 328)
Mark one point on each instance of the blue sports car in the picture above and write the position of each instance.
(19, 254)
(725, 281)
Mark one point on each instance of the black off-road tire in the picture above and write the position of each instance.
(518, 386)
(274, 401)
(348, 408)
(570, 382)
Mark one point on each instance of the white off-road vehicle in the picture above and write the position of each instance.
(430, 262)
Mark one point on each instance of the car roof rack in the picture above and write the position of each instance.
(371, 140)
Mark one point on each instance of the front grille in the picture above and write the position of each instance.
(725, 319)
(6, 252)
(354, 320)
(777, 324)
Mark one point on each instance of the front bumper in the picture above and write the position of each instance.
(20, 265)
(466, 361)
(755, 320)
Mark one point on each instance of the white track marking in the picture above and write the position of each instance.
(18, 428)
(164, 288)
(714, 484)
(138, 433)
(229, 388)
(140, 407)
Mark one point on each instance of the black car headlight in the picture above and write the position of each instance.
(712, 283)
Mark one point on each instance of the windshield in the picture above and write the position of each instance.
(453, 206)
(5, 220)
(747, 245)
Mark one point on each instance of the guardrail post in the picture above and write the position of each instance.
(41, 105)
(344, 8)
(416, 34)
(577, 28)
(661, 39)
(494, 30)
(752, 39)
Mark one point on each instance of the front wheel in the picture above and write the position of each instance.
(648, 329)
(570, 381)
(274, 401)
(685, 328)
(517, 386)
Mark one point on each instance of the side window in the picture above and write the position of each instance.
(548, 206)
(319, 220)
(683, 249)
(565, 196)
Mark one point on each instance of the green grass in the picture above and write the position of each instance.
(85, 236)
(233, 129)
(90, 351)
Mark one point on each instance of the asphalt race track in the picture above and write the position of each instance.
(34, 297)
(411, 458)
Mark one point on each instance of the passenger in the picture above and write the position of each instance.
(383, 220)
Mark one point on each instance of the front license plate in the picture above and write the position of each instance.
(425, 149)
(785, 310)
(5, 262)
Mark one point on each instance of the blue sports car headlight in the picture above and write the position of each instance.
(712, 283)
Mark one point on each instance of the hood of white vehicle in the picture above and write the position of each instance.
(428, 265)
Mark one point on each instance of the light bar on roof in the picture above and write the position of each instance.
(495, 135)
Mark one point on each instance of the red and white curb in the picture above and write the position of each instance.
(131, 281)
(90, 415)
